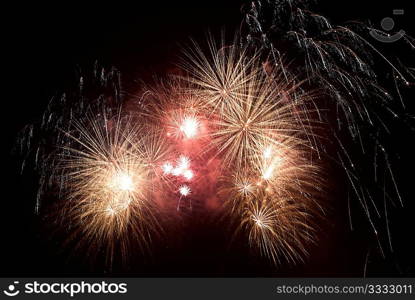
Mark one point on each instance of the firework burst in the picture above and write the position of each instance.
(262, 130)
(115, 177)
(244, 113)
(106, 183)
(270, 227)
(219, 77)
(248, 107)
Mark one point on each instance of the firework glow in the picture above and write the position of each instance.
(252, 129)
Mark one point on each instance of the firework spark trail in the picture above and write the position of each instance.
(342, 62)
(38, 141)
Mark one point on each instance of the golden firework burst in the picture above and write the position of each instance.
(107, 183)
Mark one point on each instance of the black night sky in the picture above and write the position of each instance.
(47, 44)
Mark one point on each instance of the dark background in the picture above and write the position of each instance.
(45, 46)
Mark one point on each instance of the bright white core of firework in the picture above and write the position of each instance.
(184, 190)
(267, 152)
(258, 221)
(268, 173)
(167, 168)
(189, 127)
(188, 174)
(182, 168)
(183, 163)
(123, 182)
